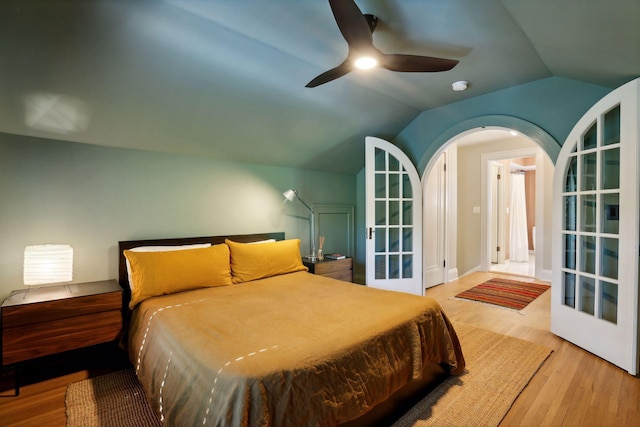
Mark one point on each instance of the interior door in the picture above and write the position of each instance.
(393, 219)
(595, 241)
(434, 224)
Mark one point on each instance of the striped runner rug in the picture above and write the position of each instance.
(505, 293)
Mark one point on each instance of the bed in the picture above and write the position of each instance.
(265, 343)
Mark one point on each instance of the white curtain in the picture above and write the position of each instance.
(519, 241)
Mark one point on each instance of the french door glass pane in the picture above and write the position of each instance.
(590, 138)
(380, 160)
(394, 164)
(394, 186)
(587, 295)
(609, 216)
(609, 257)
(609, 300)
(588, 254)
(381, 239)
(612, 126)
(611, 169)
(407, 239)
(394, 213)
(394, 239)
(407, 213)
(381, 186)
(570, 289)
(570, 251)
(570, 209)
(588, 213)
(589, 169)
(406, 186)
(381, 212)
(394, 267)
(407, 266)
(381, 267)
(571, 181)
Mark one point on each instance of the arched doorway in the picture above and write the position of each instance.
(548, 152)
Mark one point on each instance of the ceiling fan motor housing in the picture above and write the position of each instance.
(372, 20)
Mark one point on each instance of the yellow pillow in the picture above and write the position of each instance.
(252, 262)
(162, 273)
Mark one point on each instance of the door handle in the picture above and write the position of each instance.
(370, 233)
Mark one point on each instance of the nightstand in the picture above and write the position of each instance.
(55, 319)
(341, 269)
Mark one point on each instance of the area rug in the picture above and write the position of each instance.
(498, 369)
(112, 400)
(505, 293)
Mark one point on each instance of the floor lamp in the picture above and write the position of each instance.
(293, 194)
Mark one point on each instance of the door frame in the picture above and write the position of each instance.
(441, 222)
(485, 207)
(499, 216)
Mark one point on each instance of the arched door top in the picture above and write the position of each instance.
(537, 134)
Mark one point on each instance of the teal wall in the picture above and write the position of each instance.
(553, 104)
(91, 197)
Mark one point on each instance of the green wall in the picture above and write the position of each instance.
(553, 104)
(91, 197)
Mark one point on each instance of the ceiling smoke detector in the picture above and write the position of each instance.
(460, 85)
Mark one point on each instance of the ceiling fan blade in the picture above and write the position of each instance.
(352, 24)
(414, 63)
(332, 74)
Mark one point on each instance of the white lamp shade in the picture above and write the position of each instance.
(45, 264)
(290, 194)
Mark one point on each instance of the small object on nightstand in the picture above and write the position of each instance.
(320, 251)
(46, 264)
(335, 256)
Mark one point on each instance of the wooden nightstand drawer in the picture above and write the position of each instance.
(49, 311)
(41, 339)
(56, 319)
(340, 269)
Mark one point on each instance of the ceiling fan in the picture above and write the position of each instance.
(357, 29)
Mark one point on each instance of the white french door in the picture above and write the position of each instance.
(393, 219)
(594, 301)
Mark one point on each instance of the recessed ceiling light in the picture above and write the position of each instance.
(366, 62)
(460, 85)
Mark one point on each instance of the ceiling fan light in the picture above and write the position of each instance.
(365, 62)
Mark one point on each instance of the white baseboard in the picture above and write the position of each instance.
(473, 270)
(545, 275)
(452, 274)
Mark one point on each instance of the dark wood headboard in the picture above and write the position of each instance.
(243, 238)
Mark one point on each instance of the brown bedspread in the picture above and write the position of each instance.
(292, 350)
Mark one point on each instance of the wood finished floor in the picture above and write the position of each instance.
(572, 388)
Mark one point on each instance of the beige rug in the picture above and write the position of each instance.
(112, 400)
(498, 369)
